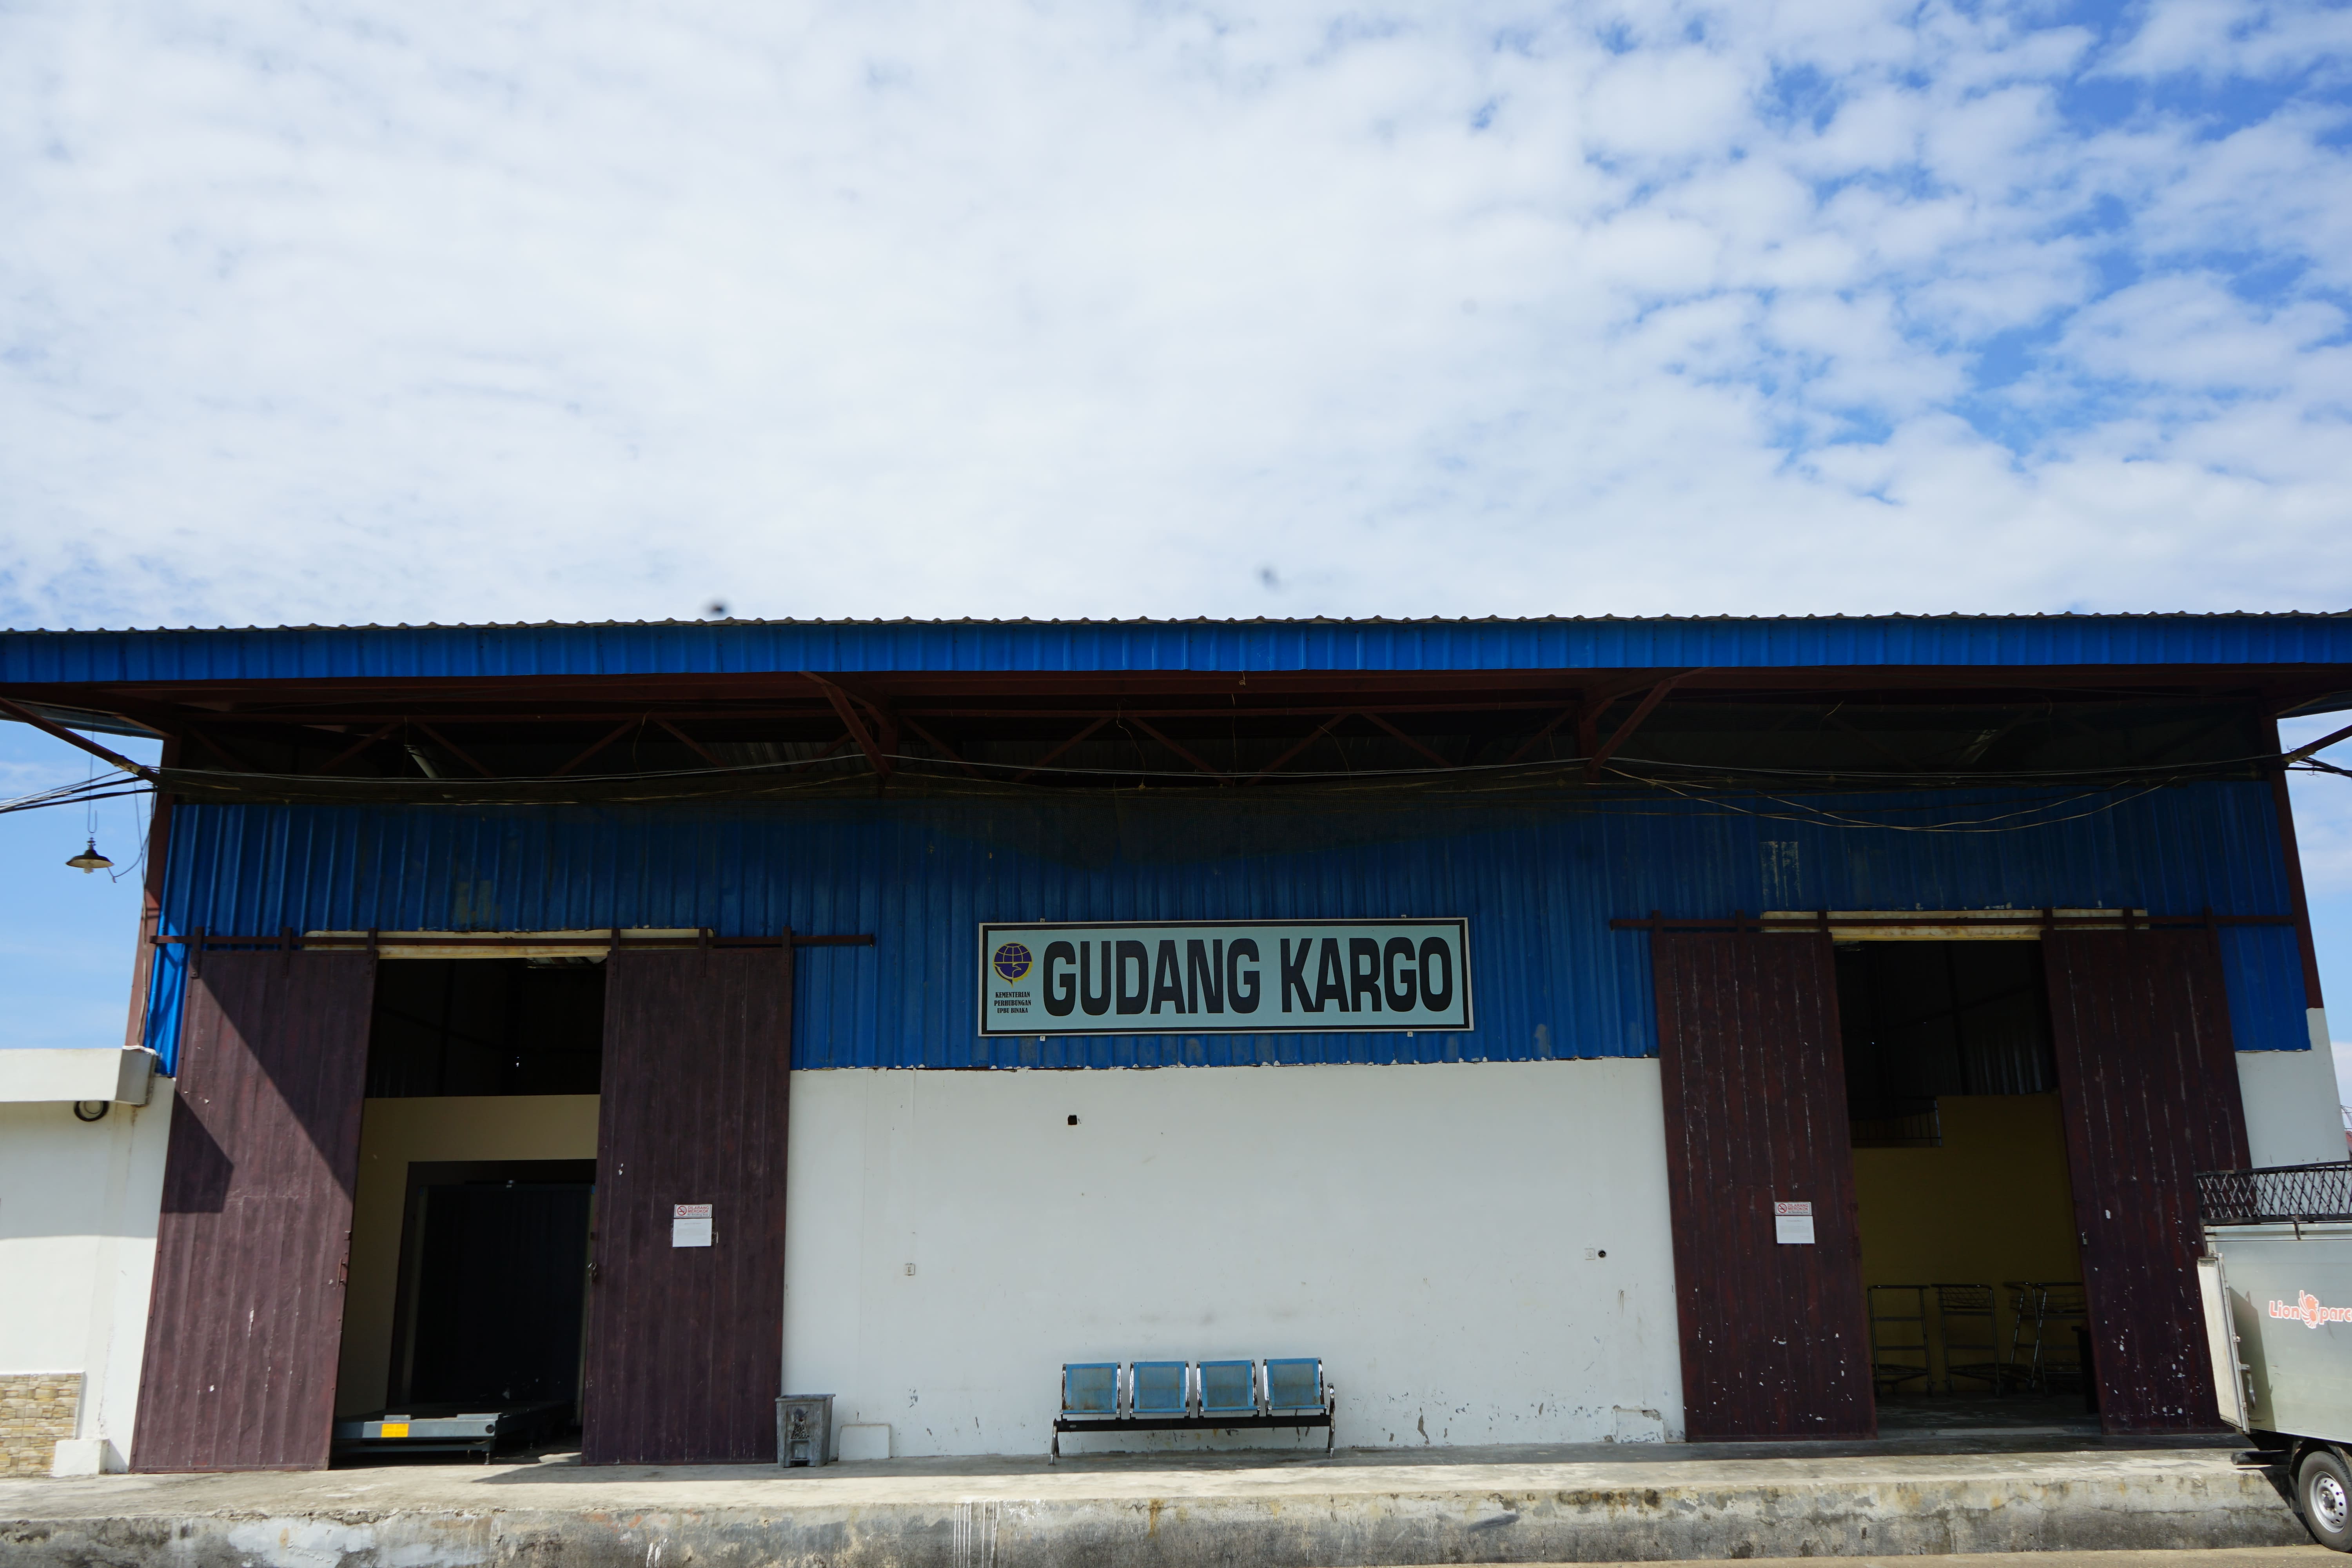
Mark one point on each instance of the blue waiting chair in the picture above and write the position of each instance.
(1090, 1388)
(1172, 1395)
(1294, 1384)
(1160, 1388)
(1228, 1388)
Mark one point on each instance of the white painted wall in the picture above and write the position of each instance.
(1423, 1229)
(2292, 1117)
(77, 1208)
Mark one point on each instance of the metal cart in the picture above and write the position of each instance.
(1964, 1318)
(1898, 1337)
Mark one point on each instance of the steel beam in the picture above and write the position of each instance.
(1408, 739)
(455, 749)
(942, 748)
(1047, 760)
(614, 734)
(356, 747)
(1624, 732)
(1532, 741)
(2321, 744)
(691, 745)
(220, 751)
(1182, 752)
(1321, 730)
(24, 715)
(847, 711)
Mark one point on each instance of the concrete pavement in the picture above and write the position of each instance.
(1604, 1503)
(2305, 1556)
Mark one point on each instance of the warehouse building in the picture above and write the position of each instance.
(1557, 1028)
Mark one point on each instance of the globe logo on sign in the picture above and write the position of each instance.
(1013, 961)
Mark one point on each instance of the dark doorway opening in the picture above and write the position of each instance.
(1922, 1020)
(1971, 1263)
(471, 1226)
(487, 1025)
(493, 1283)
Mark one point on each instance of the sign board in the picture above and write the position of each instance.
(1792, 1224)
(1224, 977)
(689, 1225)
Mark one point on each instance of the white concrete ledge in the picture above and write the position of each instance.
(1596, 1503)
(117, 1077)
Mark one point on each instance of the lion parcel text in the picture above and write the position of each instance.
(1224, 977)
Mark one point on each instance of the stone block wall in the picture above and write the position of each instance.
(36, 1409)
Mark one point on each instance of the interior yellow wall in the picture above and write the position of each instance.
(1992, 1204)
(393, 1134)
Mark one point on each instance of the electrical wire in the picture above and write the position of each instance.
(74, 794)
(1808, 815)
(138, 865)
(2096, 798)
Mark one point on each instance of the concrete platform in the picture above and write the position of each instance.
(1604, 1503)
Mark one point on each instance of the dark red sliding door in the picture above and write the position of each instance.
(2146, 1068)
(685, 1344)
(247, 1311)
(1774, 1338)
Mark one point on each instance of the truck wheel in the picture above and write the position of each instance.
(2323, 1489)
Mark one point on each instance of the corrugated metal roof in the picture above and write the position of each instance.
(1539, 885)
(691, 648)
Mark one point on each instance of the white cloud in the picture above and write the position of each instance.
(489, 311)
(2227, 37)
(2191, 332)
(2267, 188)
(27, 777)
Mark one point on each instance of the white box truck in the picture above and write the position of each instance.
(2276, 1282)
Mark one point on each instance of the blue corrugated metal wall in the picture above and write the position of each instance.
(1539, 885)
(740, 648)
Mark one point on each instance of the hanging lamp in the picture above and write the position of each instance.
(91, 861)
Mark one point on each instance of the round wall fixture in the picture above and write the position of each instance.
(91, 1110)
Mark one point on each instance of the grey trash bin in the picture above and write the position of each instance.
(804, 1429)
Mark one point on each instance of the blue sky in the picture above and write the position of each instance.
(2323, 821)
(453, 313)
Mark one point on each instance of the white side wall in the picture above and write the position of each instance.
(2290, 1097)
(77, 1208)
(1423, 1229)
(76, 1073)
